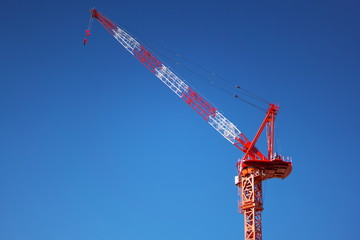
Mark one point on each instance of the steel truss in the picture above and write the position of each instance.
(251, 204)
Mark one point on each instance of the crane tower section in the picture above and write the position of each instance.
(254, 167)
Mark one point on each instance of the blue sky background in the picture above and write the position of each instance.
(93, 146)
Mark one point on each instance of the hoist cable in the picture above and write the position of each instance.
(206, 80)
(209, 82)
(230, 83)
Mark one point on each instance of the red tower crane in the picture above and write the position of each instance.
(254, 167)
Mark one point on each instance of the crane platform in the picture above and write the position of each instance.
(277, 168)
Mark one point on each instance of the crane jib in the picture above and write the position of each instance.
(219, 122)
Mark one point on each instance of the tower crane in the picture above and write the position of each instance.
(254, 167)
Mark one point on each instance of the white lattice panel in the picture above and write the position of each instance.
(224, 127)
(171, 80)
(126, 40)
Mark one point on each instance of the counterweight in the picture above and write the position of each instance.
(253, 167)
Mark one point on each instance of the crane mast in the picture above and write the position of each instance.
(254, 167)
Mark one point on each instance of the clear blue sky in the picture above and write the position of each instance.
(93, 146)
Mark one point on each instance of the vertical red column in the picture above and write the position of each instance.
(251, 202)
